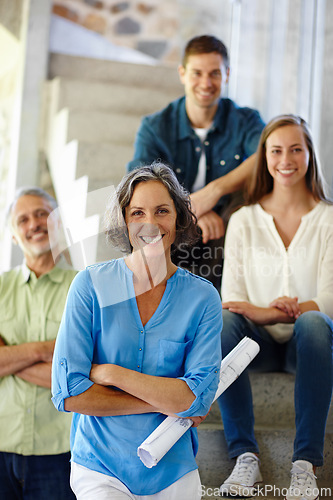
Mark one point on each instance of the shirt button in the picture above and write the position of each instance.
(206, 143)
(140, 349)
(198, 149)
(222, 162)
(141, 331)
(178, 170)
(138, 366)
(237, 157)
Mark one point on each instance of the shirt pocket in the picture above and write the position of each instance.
(51, 328)
(7, 326)
(171, 358)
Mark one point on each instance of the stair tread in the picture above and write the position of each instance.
(143, 75)
(124, 97)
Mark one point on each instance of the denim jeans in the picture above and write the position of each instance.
(308, 354)
(35, 477)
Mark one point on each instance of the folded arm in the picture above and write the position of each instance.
(169, 395)
(18, 358)
(100, 401)
(38, 374)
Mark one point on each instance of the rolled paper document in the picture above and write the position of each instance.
(159, 442)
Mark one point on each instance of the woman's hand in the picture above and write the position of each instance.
(101, 374)
(259, 315)
(198, 420)
(289, 305)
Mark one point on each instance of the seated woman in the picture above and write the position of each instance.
(139, 340)
(278, 289)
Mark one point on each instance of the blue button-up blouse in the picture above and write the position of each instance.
(101, 324)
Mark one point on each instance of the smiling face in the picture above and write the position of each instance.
(204, 78)
(287, 155)
(151, 219)
(29, 224)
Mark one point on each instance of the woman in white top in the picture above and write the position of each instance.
(278, 289)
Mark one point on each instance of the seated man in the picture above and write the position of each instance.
(206, 139)
(34, 437)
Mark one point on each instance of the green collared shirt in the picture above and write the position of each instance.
(30, 311)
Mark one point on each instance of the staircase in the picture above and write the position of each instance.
(274, 428)
(92, 110)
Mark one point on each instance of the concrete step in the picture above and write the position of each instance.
(276, 447)
(138, 75)
(121, 97)
(104, 163)
(275, 432)
(98, 127)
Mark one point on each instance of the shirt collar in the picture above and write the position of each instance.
(185, 127)
(56, 274)
(219, 122)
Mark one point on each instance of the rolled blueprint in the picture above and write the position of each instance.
(159, 442)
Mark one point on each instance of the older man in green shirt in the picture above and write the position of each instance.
(34, 437)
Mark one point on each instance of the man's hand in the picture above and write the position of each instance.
(46, 349)
(205, 199)
(212, 226)
(37, 374)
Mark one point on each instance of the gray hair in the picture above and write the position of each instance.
(29, 191)
(114, 219)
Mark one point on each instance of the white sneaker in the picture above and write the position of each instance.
(245, 478)
(303, 485)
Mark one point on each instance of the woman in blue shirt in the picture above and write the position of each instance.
(139, 340)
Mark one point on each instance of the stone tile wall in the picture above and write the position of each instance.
(158, 28)
(150, 26)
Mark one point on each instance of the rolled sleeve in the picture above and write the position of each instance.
(73, 353)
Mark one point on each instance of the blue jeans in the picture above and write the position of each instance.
(308, 354)
(35, 477)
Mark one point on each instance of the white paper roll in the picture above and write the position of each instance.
(159, 442)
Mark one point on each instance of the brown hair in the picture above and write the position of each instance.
(261, 182)
(205, 44)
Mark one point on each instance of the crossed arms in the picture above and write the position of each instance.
(30, 361)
